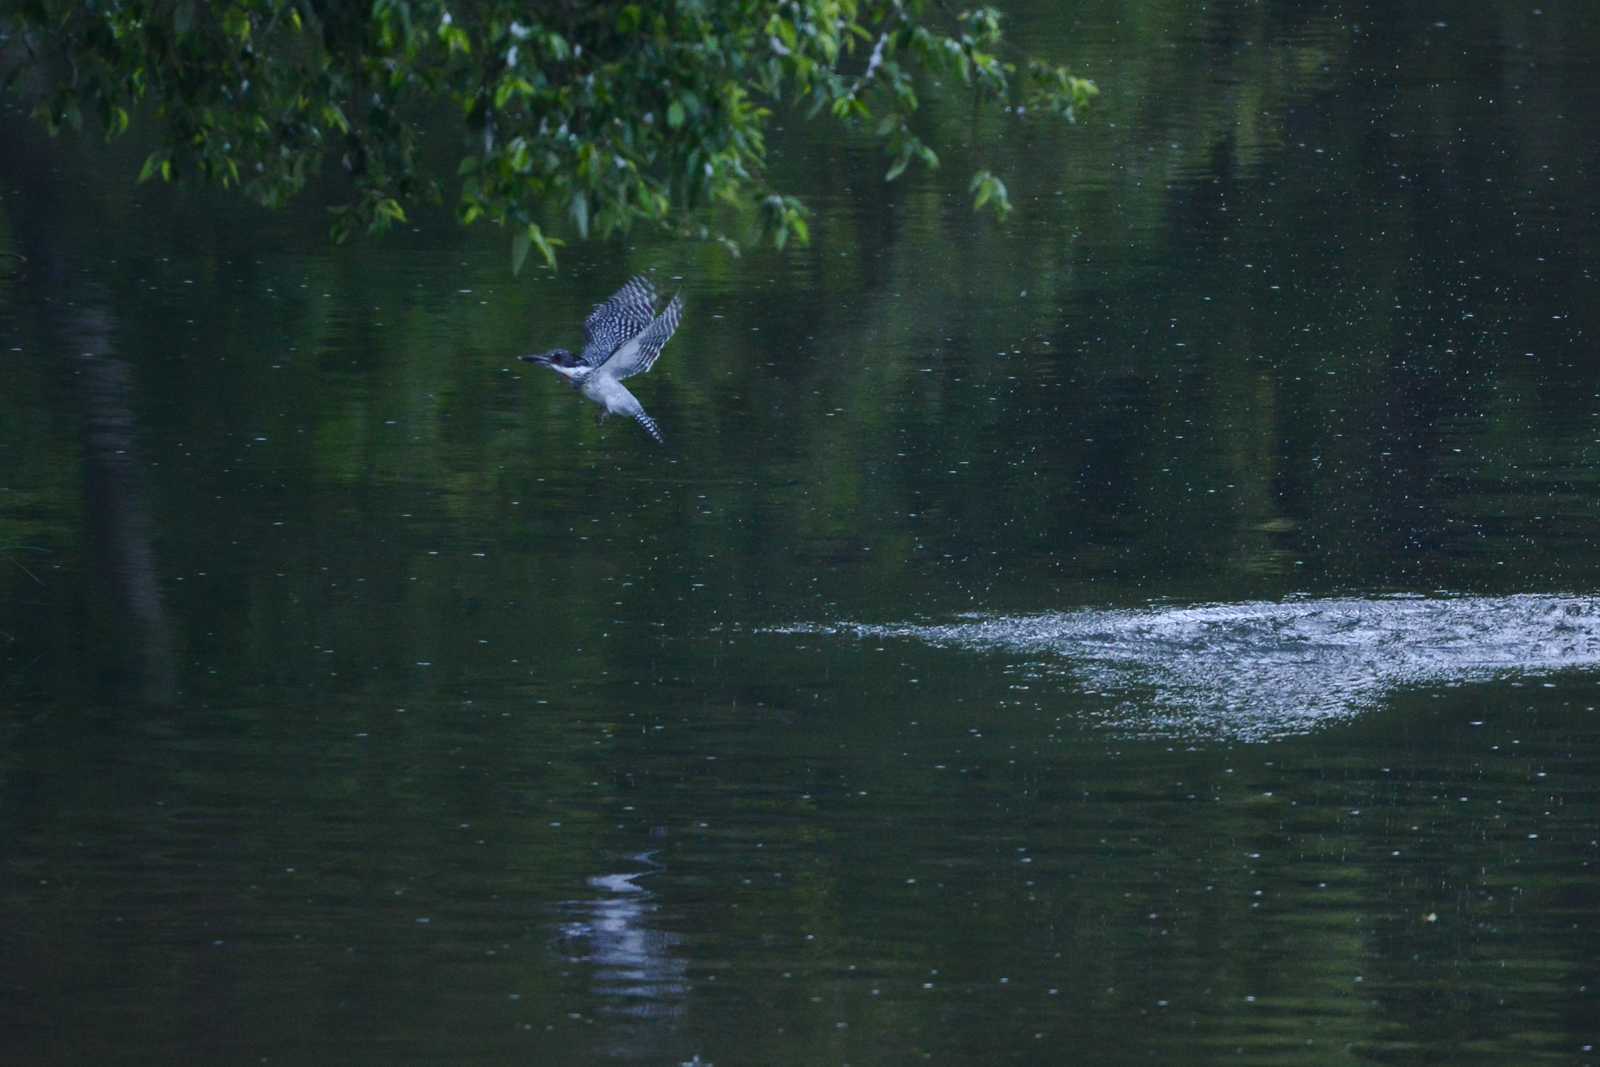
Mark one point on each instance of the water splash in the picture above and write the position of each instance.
(1260, 670)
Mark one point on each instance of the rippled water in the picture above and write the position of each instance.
(1161, 628)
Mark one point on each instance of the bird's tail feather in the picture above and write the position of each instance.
(650, 427)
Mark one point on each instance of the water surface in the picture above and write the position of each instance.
(1163, 627)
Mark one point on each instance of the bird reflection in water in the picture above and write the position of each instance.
(634, 965)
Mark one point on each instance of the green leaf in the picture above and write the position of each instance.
(236, 23)
(675, 116)
(580, 213)
(520, 243)
(989, 189)
(899, 166)
(454, 37)
(333, 116)
(532, 237)
(546, 245)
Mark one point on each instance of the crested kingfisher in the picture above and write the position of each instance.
(621, 338)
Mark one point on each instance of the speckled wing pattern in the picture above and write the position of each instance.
(617, 321)
(640, 355)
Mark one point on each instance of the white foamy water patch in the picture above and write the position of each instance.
(1261, 670)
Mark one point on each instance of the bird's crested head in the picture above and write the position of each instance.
(556, 357)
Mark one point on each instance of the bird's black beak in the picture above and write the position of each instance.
(541, 360)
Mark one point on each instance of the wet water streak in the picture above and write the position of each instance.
(1261, 670)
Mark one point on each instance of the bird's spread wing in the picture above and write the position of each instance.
(621, 318)
(638, 355)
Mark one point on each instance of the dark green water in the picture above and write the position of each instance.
(1015, 654)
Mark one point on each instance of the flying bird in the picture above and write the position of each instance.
(621, 338)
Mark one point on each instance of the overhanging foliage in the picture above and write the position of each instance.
(579, 117)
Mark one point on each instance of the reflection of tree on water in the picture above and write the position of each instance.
(632, 963)
(129, 641)
(119, 518)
